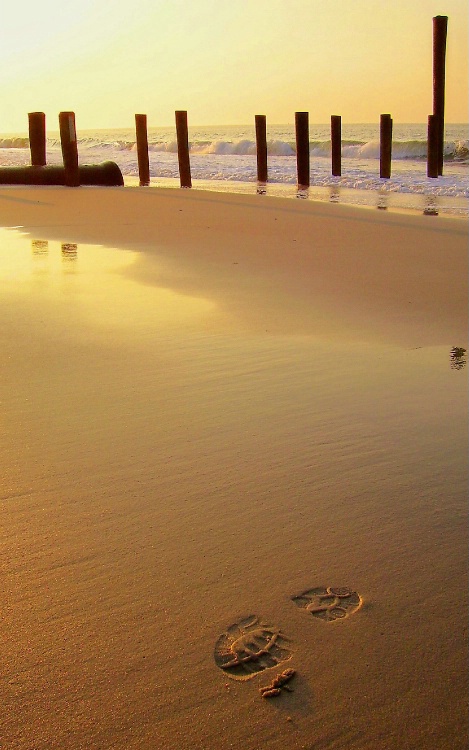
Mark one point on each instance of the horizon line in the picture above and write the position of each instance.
(227, 125)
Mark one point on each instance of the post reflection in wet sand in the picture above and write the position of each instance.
(39, 247)
(69, 251)
(458, 358)
(383, 199)
(302, 192)
(334, 193)
(431, 206)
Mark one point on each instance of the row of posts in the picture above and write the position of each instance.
(68, 136)
(434, 156)
(68, 139)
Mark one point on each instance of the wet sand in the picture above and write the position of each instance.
(210, 405)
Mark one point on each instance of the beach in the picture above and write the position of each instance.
(231, 417)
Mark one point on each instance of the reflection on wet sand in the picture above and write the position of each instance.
(40, 247)
(457, 358)
(334, 194)
(261, 188)
(69, 251)
(431, 206)
(383, 199)
(302, 192)
(378, 296)
(50, 269)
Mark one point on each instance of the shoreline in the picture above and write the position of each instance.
(384, 199)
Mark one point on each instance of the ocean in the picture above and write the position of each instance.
(224, 158)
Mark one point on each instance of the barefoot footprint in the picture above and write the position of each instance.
(329, 603)
(249, 647)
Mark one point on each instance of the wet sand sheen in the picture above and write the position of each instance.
(208, 424)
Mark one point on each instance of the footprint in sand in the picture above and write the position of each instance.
(248, 647)
(329, 603)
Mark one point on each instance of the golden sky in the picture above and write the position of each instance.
(224, 62)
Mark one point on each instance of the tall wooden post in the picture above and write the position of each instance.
(440, 27)
(336, 145)
(385, 146)
(302, 148)
(68, 139)
(183, 149)
(432, 146)
(261, 147)
(142, 149)
(37, 138)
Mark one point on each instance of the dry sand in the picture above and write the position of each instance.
(210, 404)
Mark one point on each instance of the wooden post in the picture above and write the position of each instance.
(142, 149)
(440, 27)
(385, 146)
(302, 148)
(336, 145)
(432, 146)
(37, 138)
(183, 149)
(261, 147)
(68, 139)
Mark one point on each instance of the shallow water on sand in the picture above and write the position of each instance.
(383, 198)
(174, 462)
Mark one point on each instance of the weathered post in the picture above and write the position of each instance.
(183, 149)
(302, 148)
(432, 146)
(142, 149)
(440, 27)
(385, 146)
(68, 140)
(37, 138)
(261, 147)
(336, 145)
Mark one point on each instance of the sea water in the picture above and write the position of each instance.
(224, 158)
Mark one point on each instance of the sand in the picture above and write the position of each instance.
(212, 404)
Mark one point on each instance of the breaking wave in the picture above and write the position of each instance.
(351, 149)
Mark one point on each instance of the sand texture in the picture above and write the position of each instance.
(234, 473)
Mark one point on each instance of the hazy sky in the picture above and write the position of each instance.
(225, 61)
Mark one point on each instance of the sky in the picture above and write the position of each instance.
(224, 62)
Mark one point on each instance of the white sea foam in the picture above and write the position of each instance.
(455, 150)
